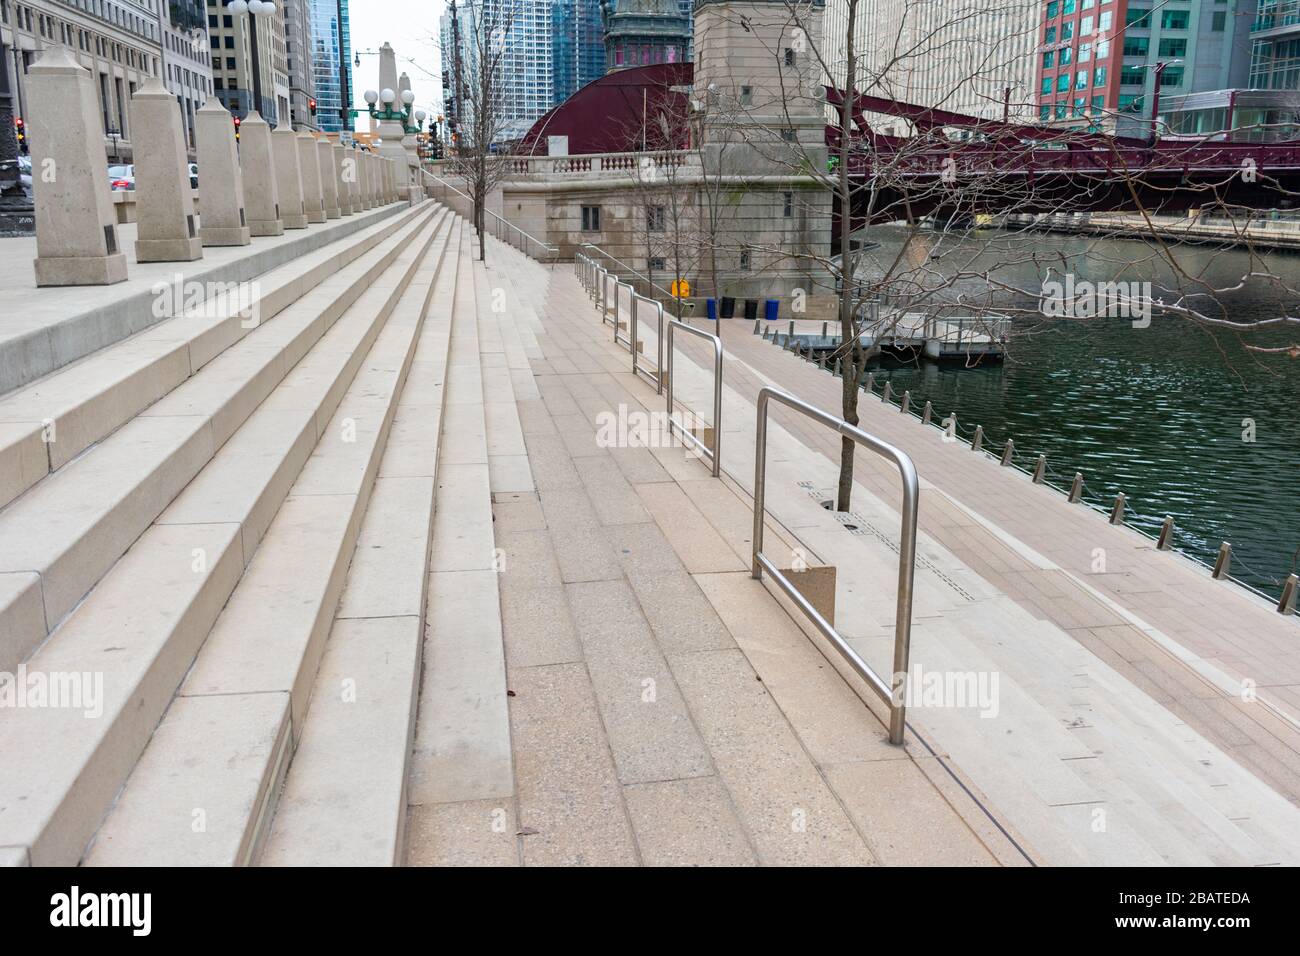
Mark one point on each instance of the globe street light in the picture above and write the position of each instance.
(255, 9)
(390, 113)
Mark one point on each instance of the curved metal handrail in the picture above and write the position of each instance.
(893, 692)
(627, 268)
(501, 220)
(715, 453)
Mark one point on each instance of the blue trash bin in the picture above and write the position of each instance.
(771, 309)
(713, 310)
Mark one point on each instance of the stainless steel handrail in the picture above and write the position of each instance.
(892, 692)
(658, 376)
(715, 453)
(687, 304)
(603, 299)
(620, 284)
(551, 250)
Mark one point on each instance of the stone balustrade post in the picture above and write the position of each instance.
(329, 179)
(288, 177)
(258, 167)
(76, 227)
(313, 193)
(223, 221)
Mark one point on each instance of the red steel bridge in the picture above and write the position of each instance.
(1003, 166)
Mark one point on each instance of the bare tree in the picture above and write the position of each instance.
(481, 57)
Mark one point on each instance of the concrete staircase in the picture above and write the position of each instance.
(179, 513)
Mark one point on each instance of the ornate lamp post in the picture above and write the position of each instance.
(254, 9)
(412, 121)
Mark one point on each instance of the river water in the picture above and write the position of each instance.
(1162, 413)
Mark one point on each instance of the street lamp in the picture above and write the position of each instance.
(391, 113)
(1155, 99)
(255, 9)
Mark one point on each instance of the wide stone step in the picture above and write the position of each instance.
(46, 424)
(63, 771)
(268, 641)
(72, 526)
(344, 800)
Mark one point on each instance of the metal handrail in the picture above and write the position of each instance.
(658, 375)
(891, 693)
(715, 453)
(501, 220)
(620, 284)
(646, 279)
(603, 298)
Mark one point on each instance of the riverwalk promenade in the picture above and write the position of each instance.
(407, 572)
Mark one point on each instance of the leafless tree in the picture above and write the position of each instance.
(481, 59)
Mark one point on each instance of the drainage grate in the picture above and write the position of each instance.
(855, 523)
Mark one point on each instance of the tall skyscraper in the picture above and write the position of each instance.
(187, 66)
(1099, 65)
(298, 60)
(578, 46)
(232, 62)
(331, 62)
(959, 55)
(526, 66)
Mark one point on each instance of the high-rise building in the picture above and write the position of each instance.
(969, 56)
(232, 62)
(118, 41)
(186, 62)
(525, 67)
(578, 46)
(643, 32)
(1275, 53)
(299, 64)
(1099, 62)
(331, 60)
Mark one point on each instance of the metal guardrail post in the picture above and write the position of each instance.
(891, 692)
(658, 375)
(716, 451)
(620, 284)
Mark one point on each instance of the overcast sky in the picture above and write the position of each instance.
(411, 26)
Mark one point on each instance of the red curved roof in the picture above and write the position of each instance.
(609, 115)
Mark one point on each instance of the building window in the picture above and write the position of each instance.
(657, 264)
(1053, 9)
(1136, 46)
(1048, 58)
(1137, 19)
(1173, 47)
(787, 204)
(788, 135)
(1219, 21)
(746, 95)
(789, 56)
(591, 219)
(654, 219)
(744, 261)
(1174, 19)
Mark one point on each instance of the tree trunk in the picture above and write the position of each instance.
(848, 277)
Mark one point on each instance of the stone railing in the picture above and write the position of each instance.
(518, 166)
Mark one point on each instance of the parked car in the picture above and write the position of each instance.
(25, 172)
(194, 175)
(121, 177)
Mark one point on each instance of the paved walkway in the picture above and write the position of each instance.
(664, 708)
(1113, 742)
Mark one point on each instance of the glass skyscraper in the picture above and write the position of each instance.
(331, 49)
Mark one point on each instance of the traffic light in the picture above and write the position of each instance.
(311, 105)
(238, 122)
(20, 130)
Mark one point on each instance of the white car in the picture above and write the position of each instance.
(121, 177)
